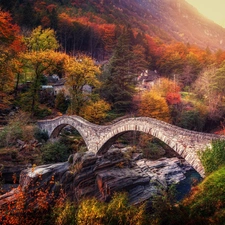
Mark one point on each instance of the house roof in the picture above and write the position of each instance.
(60, 82)
(148, 77)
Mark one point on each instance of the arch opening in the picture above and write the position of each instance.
(70, 136)
(141, 141)
(152, 147)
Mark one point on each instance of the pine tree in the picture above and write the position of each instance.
(120, 82)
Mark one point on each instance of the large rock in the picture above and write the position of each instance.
(88, 175)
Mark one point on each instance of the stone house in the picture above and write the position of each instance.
(147, 79)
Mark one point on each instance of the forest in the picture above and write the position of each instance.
(55, 41)
(80, 44)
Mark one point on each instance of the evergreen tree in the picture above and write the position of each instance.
(120, 79)
(53, 16)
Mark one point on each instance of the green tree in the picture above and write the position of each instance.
(55, 152)
(119, 87)
(61, 103)
(191, 120)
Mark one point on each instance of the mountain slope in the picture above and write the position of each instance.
(169, 19)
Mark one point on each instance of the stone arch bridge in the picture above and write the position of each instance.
(99, 138)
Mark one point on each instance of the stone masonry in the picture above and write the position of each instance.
(99, 138)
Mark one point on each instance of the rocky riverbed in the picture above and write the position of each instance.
(88, 175)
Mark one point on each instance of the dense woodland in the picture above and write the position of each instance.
(59, 33)
(81, 43)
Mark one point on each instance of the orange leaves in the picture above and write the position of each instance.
(10, 46)
(173, 98)
(17, 45)
(107, 32)
(8, 31)
(51, 7)
(30, 206)
(165, 86)
(65, 20)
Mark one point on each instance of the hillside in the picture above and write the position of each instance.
(167, 20)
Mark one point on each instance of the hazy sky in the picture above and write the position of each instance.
(213, 9)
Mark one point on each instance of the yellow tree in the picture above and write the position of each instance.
(80, 72)
(40, 62)
(155, 106)
(42, 40)
(96, 111)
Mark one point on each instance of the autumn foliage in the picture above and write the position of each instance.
(10, 46)
(155, 106)
(173, 98)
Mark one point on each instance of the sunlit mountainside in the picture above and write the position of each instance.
(166, 19)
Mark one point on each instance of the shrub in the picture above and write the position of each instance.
(61, 103)
(55, 152)
(91, 211)
(65, 214)
(31, 207)
(213, 157)
(206, 204)
(17, 128)
(192, 120)
(117, 211)
(165, 209)
(41, 135)
(41, 113)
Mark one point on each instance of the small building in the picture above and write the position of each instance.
(60, 86)
(147, 79)
(47, 87)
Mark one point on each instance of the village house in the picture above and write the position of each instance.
(147, 79)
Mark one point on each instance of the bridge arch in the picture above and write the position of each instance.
(98, 138)
(185, 143)
(55, 126)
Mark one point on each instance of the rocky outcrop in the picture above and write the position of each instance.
(88, 175)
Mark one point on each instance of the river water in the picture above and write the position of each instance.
(184, 187)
